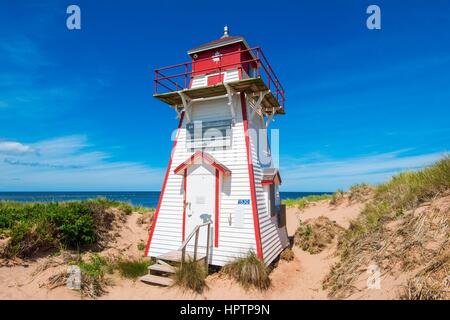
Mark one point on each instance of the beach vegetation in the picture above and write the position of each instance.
(400, 227)
(287, 255)
(315, 235)
(249, 271)
(302, 202)
(132, 268)
(93, 271)
(32, 227)
(337, 197)
(191, 275)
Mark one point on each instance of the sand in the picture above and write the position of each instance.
(298, 279)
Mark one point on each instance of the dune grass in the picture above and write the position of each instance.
(403, 192)
(93, 271)
(191, 275)
(287, 255)
(249, 271)
(418, 238)
(315, 235)
(303, 201)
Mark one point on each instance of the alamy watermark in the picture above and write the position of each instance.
(374, 277)
(374, 20)
(74, 278)
(73, 21)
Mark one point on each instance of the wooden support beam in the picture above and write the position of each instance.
(230, 94)
(257, 107)
(270, 117)
(186, 105)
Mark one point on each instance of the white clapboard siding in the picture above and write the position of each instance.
(202, 80)
(234, 240)
(273, 239)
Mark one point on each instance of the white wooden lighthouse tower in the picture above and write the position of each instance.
(220, 199)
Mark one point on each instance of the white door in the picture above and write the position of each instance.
(200, 203)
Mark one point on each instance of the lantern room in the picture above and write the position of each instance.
(221, 67)
(226, 59)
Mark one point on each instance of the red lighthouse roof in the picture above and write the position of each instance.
(225, 40)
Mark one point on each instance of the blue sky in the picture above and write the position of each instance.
(77, 113)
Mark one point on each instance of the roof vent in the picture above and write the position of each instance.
(225, 32)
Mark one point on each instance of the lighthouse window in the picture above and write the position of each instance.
(208, 134)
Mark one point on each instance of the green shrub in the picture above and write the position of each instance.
(191, 275)
(249, 271)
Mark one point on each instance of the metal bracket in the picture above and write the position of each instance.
(186, 105)
(230, 94)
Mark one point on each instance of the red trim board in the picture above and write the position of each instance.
(216, 217)
(252, 179)
(155, 218)
(204, 157)
(183, 231)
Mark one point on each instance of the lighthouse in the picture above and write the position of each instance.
(220, 195)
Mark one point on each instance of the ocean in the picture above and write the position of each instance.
(147, 199)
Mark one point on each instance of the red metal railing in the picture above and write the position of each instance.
(179, 77)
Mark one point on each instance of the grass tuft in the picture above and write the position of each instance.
(93, 281)
(249, 271)
(191, 275)
(287, 254)
(315, 235)
(133, 269)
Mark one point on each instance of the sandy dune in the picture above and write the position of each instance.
(299, 279)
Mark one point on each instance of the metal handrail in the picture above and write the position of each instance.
(185, 243)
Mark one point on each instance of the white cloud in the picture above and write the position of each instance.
(70, 163)
(12, 147)
(330, 174)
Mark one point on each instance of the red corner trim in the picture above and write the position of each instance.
(252, 179)
(155, 218)
(216, 218)
(183, 231)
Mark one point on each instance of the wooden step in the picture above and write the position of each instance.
(158, 280)
(162, 262)
(175, 256)
(161, 268)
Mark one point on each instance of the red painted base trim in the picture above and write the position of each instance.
(252, 179)
(216, 217)
(155, 218)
